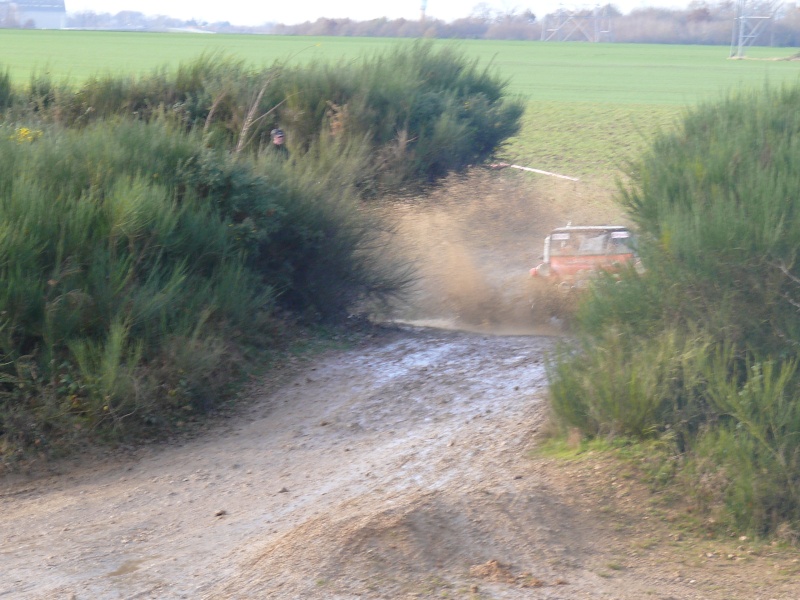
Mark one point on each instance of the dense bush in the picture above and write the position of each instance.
(104, 267)
(720, 202)
(148, 235)
(709, 354)
(134, 261)
(620, 384)
(419, 112)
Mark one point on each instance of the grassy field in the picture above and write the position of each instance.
(590, 106)
(541, 71)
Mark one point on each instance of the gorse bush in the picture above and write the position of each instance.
(339, 253)
(624, 385)
(103, 265)
(719, 202)
(149, 234)
(419, 112)
(755, 441)
(129, 254)
(708, 359)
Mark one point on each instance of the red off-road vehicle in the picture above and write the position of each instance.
(573, 254)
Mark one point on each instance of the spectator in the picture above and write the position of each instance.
(278, 145)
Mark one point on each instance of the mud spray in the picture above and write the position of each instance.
(473, 241)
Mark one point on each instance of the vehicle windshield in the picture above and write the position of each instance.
(590, 242)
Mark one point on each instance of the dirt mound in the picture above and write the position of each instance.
(435, 542)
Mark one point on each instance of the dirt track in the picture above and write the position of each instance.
(364, 438)
(397, 469)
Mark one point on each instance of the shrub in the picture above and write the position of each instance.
(623, 385)
(419, 112)
(129, 251)
(145, 231)
(718, 204)
(96, 277)
(707, 357)
(755, 442)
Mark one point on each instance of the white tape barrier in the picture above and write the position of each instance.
(521, 168)
(544, 172)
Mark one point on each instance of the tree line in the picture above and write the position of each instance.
(699, 23)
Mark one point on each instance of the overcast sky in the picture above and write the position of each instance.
(257, 12)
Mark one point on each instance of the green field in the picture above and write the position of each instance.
(545, 71)
(590, 106)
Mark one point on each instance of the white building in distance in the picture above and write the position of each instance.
(33, 14)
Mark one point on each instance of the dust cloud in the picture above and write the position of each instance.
(473, 241)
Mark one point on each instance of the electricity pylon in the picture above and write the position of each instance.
(578, 25)
(749, 20)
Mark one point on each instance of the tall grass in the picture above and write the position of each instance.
(624, 385)
(6, 90)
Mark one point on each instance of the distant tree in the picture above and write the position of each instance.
(410, 28)
(8, 17)
(786, 30)
(611, 11)
(649, 25)
(698, 11)
(89, 20)
(323, 26)
(469, 28)
(513, 30)
(701, 22)
(130, 19)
